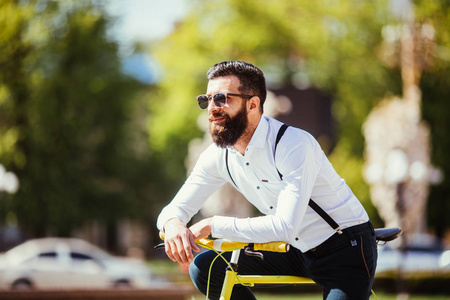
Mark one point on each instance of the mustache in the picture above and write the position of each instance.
(218, 115)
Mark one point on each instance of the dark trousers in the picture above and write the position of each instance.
(344, 266)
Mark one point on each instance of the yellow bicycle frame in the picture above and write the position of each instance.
(232, 278)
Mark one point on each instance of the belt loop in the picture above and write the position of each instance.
(351, 233)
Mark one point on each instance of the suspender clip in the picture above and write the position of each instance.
(338, 230)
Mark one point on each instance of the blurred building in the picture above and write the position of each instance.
(311, 111)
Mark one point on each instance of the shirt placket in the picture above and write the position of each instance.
(256, 184)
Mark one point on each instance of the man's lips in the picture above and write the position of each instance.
(216, 119)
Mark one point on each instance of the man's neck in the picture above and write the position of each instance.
(244, 140)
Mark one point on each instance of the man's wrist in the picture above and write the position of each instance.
(175, 221)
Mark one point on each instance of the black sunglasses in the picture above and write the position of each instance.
(220, 100)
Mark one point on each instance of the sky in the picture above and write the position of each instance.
(143, 21)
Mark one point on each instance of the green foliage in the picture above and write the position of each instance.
(66, 109)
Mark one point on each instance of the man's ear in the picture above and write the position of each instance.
(253, 105)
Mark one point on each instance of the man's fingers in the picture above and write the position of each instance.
(176, 252)
(193, 244)
(179, 241)
(169, 252)
(184, 251)
(180, 250)
(188, 248)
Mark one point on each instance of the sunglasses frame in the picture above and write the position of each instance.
(219, 103)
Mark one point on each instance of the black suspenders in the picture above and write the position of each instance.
(228, 169)
(311, 203)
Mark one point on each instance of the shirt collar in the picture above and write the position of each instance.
(259, 137)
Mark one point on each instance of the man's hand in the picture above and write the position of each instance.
(201, 229)
(179, 242)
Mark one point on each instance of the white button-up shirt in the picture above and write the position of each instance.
(306, 171)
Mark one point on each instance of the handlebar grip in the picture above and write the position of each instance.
(272, 246)
(219, 244)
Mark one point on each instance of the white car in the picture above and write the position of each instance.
(424, 254)
(68, 263)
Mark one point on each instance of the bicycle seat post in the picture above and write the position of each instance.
(234, 261)
(229, 281)
(235, 257)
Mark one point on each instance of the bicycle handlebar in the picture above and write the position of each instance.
(227, 245)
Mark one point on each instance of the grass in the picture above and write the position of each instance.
(319, 297)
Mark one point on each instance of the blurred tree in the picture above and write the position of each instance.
(402, 191)
(435, 85)
(332, 45)
(71, 124)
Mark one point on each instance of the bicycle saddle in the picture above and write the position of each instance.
(387, 234)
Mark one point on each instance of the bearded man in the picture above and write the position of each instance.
(285, 174)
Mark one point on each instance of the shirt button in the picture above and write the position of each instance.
(258, 187)
(296, 239)
(271, 207)
(247, 164)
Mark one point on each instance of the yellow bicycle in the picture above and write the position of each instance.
(232, 276)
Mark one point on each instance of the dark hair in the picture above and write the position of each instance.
(252, 80)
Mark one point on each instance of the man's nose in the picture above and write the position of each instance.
(212, 106)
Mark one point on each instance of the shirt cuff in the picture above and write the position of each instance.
(221, 226)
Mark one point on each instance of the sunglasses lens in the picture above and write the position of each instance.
(220, 100)
(202, 101)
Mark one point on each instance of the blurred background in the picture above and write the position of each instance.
(99, 125)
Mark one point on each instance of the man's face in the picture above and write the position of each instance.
(227, 123)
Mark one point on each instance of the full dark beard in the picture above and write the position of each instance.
(230, 130)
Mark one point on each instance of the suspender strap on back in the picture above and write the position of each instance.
(311, 202)
(324, 215)
(279, 135)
